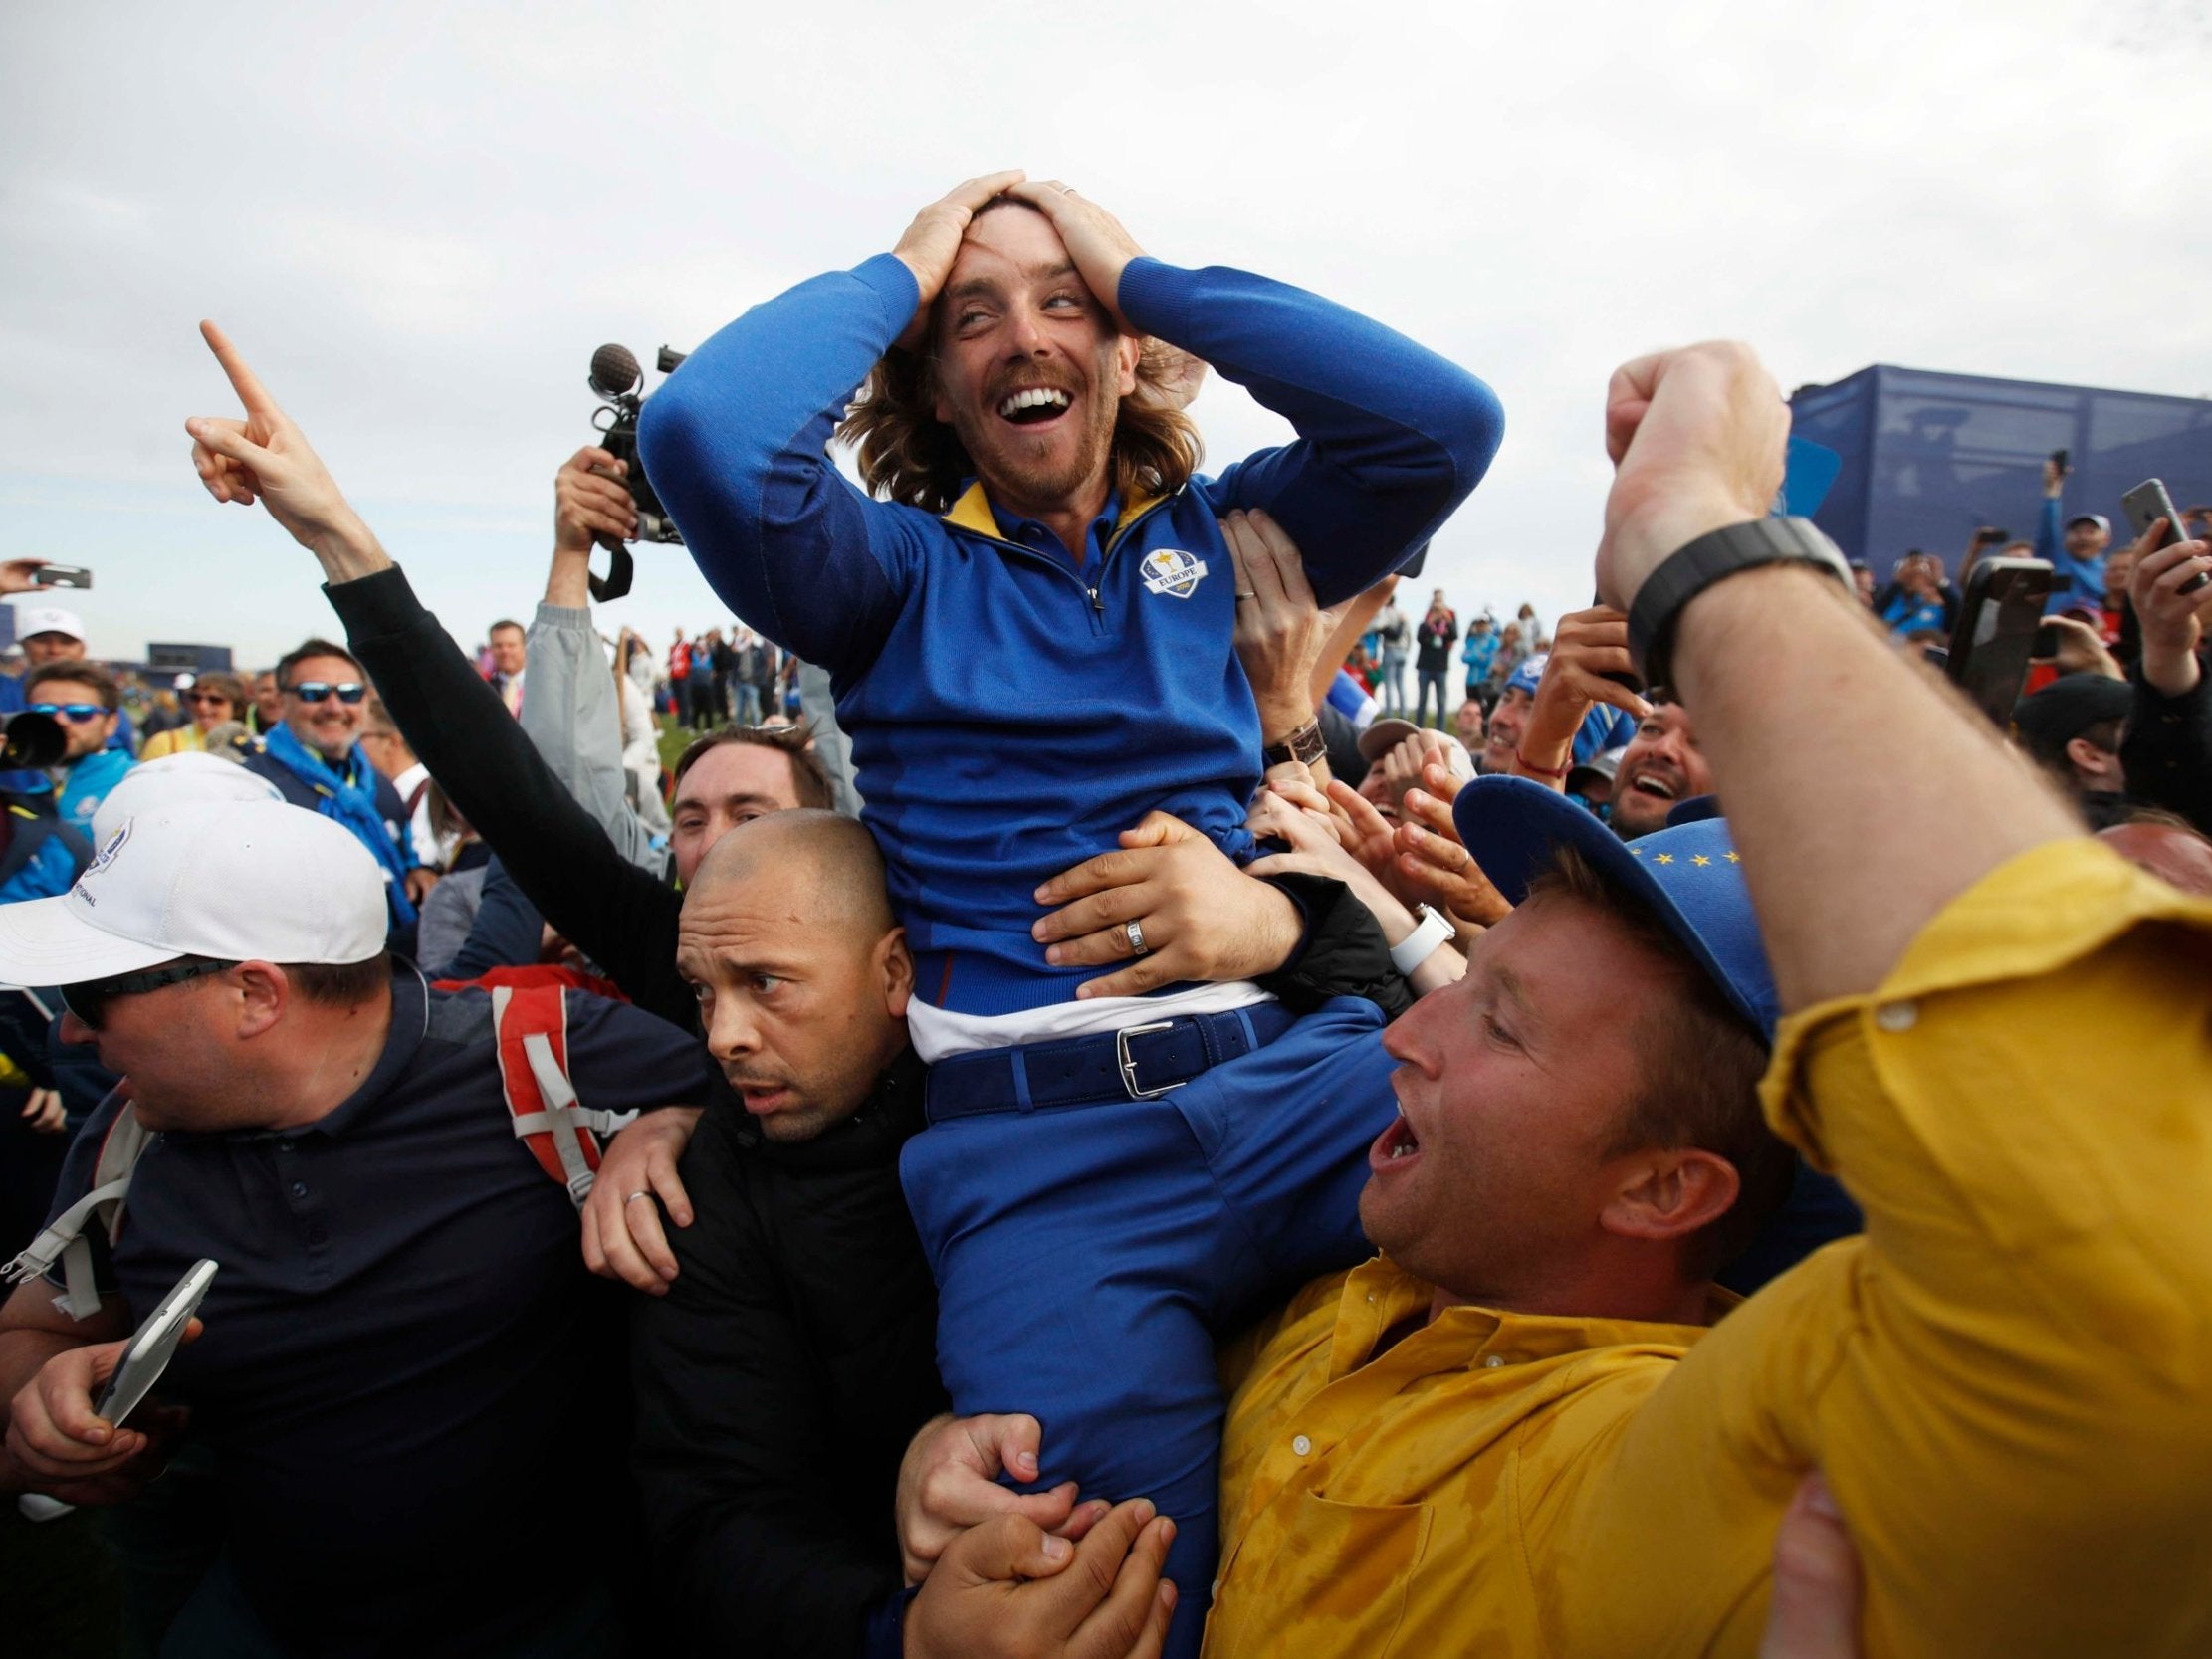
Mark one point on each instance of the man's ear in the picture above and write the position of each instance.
(2089, 762)
(1126, 350)
(1670, 1194)
(895, 971)
(264, 994)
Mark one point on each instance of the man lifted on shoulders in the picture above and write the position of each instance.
(1030, 645)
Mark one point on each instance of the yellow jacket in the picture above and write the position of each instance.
(178, 739)
(2007, 1381)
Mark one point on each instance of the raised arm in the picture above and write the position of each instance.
(608, 908)
(1999, 1038)
(1843, 877)
(570, 709)
(736, 444)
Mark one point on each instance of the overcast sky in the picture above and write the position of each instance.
(418, 221)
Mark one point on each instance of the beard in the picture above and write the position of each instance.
(1041, 471)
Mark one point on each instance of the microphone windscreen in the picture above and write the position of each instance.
(614, 372)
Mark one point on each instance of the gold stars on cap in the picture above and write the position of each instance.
(1700, 858)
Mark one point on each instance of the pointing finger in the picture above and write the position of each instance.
(243, 380)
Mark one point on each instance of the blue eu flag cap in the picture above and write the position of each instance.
(1689, 874)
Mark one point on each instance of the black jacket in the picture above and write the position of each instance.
(1433, 642)
(2167, 752)
(781, 1378)
(622, 918)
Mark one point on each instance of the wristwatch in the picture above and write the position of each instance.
(1695, 566)
(1422, 944)
(1303, 745)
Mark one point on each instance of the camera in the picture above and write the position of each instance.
(617, 381)
(30, 742)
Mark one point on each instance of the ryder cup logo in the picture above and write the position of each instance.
(100, 860)
(1173, 571)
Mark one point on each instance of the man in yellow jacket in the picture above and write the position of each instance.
(1521, 1429)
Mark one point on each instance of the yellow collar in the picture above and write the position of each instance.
(972, 513)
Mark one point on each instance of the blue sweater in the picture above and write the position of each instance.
(2074, 581)
(1011, 714)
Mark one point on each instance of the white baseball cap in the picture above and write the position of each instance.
(177, 781)
(48, 619)
(230, 880)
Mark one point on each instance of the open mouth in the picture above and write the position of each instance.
(1655, 788)
(1033, 405)
(1395, 1147)
(761, 1099)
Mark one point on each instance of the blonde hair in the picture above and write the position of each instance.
(908, 455)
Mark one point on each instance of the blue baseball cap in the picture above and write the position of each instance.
(1524, 678)
(1688, 873)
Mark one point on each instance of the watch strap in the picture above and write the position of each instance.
(1422, 944)
(1304, 746)
(1712, 558)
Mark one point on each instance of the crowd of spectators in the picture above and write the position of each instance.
(1066, 1116)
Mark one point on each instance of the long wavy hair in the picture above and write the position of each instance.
(908, 455)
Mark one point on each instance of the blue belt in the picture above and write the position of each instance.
(1135, 1063)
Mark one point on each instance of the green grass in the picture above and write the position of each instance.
(674, 739)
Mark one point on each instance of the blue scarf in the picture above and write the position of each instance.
(348, 797)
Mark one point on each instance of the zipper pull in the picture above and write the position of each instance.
(1097, 604)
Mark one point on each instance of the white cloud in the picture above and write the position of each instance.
(421, 220)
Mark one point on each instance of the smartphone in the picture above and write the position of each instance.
(61, 575)
(1996, 630)
(2063, 460)
(155, 1340)
(2046, 647)
(1989, 537)
(2145, 506)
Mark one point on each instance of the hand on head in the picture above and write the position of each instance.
(931, 241)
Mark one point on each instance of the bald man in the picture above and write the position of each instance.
(792, 1354)
(2167, 847)
(789, 1353)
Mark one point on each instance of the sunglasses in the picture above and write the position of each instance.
(68, 711)
(89, 1000)
(322, 691)
(208, 696)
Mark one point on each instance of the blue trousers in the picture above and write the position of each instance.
(1087, 1257)
(1432, 680)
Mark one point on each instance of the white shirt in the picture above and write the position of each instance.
(939, 1033)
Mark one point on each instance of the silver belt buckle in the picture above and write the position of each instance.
(1129, 1065)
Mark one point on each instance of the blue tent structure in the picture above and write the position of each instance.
(1930, 456)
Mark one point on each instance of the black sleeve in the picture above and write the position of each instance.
(619, 915)
(2167, 752)
(1343, 954)
(755, 1538)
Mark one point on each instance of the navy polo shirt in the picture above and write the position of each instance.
(411, 1385)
